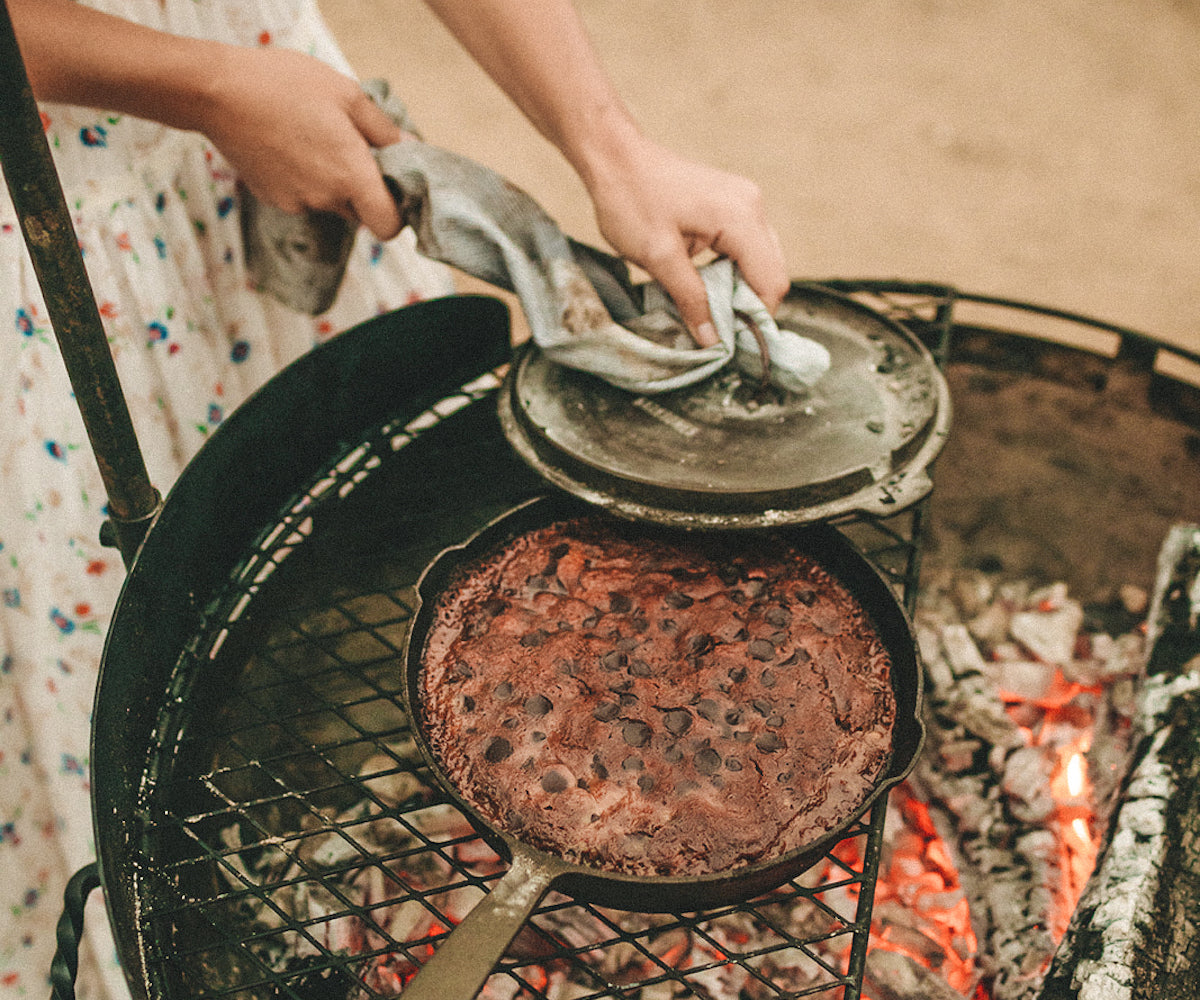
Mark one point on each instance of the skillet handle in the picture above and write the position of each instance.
(463, 962)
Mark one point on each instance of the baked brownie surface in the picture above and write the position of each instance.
(652, 706)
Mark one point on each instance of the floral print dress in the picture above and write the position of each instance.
(156, 213)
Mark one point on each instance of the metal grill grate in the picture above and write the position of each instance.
(303, 852)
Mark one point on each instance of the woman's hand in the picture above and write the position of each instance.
(300, 134)
(660, 211)
(655, 208)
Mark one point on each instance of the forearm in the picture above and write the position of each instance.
(539, 53)
(76, 55)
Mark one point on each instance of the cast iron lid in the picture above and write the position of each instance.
(729, 453)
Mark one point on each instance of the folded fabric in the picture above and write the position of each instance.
(583, 309)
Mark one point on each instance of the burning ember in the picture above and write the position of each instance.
(991, 842)
(987, 847)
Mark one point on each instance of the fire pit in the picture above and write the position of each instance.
(298, 847)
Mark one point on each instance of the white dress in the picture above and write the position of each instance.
(156, 214)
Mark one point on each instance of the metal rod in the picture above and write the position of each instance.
(53, 246)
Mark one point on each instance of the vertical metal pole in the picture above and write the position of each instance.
(54, 249)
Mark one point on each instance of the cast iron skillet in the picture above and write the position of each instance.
(464, 961)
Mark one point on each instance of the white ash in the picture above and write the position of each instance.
(987, 783)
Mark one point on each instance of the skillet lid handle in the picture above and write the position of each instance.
(462, 964)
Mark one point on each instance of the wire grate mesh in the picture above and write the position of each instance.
(303, 850)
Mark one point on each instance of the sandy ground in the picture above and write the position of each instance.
(1047, 152)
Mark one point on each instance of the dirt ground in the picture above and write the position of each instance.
(1046, 152)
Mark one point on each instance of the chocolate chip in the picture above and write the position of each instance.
(639, 668)
(762, 707)
(775, 720)
(582, 783)
(462, 671)
(614, 659)
(733, 764)
(468, 703)
(632, 764)
(708, 761)
(646, 782)
(636, 733)
(498, 749)
(806, 596)
(755, 587)
(619, 604)
(538, 704)
(673, 755)
(760, 649)
(554, 782)
(699, 644)
(678, 600)
(733, 717)
(494, 606)
(779, 617)
(511, 722)
(743, 736)
(769, 742)
(533, 639)
(667, 625)
(708, 709)
(606, 711)
(503, 690)
(537, 736)
(768, 679)
(639, 623)
(598, 768)
(737, 674)
(628, 699)
(678, 721)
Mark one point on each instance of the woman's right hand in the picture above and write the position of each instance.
(299, 135)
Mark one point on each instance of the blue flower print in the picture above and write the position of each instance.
(240, 352)
(61, 622)
(94, 136)
(25, 325)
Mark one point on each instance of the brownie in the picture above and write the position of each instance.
(656, 705)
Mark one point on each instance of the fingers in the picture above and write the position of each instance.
(761, 261)
(372, 203)
(682, 282)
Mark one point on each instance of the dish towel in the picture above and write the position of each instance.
(583, 309)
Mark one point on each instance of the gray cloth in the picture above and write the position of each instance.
(582, 307)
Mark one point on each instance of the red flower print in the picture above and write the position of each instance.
(108, 310)
(264, 38)
(123, 242)
(96, 567)
(45, 121)
(83, 610)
